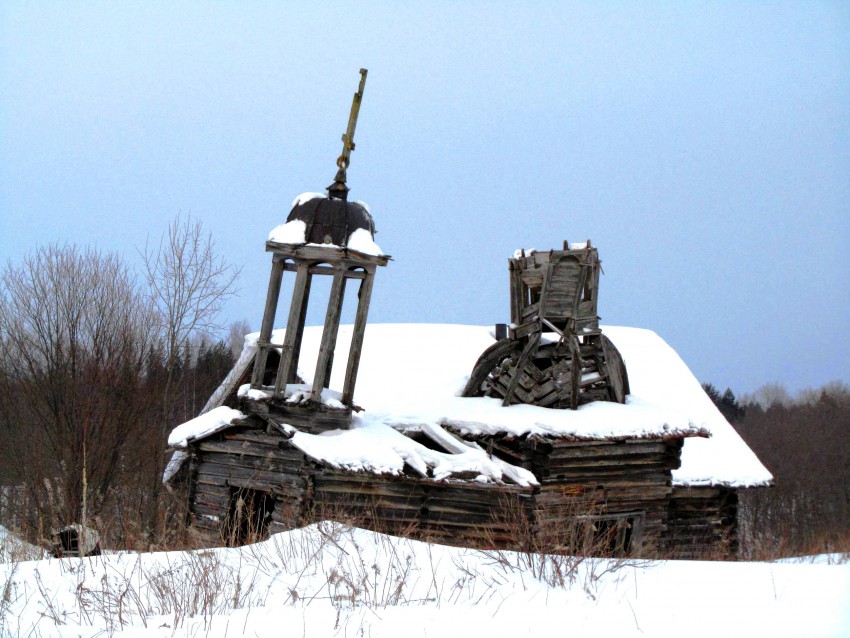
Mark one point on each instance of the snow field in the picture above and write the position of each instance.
(329, 579)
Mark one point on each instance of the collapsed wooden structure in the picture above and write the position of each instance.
(274, 448)
(552, 292)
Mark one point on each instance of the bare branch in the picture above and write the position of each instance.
(188, 283)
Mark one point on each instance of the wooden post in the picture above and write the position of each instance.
(517, 291)
(575, 371)
(289, 355)
(268, 322)
(329, 333)
(299, 330)
(364, 296)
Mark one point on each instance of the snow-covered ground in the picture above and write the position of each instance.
(332, 580)
(13, 549)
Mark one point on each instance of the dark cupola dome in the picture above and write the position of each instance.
(331, 220)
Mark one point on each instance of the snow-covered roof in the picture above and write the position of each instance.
(378, 448)
(411, 375)
(204, 425)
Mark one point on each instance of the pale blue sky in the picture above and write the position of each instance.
(704, 147)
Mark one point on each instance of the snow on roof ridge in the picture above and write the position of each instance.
(203, 425)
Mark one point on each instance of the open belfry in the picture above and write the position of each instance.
(323, 236)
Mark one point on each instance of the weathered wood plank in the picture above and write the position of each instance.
(324, 361)
(246, 448)
(352, 365)
(327, 270)
(287, 370)
(318, 254)
(272, 297)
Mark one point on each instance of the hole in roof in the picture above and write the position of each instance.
(425, 440)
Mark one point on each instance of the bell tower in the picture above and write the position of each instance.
(324, 235)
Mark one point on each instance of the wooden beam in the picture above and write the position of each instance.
(364, 296)
(289, 354)
(324, 363)
(324, 253)
(516, 287)
(328, 270)
(272, 297)
(302, 319)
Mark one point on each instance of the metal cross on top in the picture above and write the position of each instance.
(338, 189)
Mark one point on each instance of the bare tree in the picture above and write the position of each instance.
(75, 332)
(769, 395)
(236, 339)
(188, 285)
(804, 444)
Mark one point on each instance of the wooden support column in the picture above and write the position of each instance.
(517, 291)
(329, 334)
(272, 296)
(299, 329)
(364, 295)
(289, 355)
(575, 371)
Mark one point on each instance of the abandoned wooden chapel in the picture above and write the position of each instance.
(550, 433)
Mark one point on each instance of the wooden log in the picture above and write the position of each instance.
(246, 448)
(288, 367)
(260, 465)
(203, 510)
(220, 504)
(268, 322)
(214, 490)
(532, 278)
(328, 270)
(234, 470)
(324, 362)
(353, 364)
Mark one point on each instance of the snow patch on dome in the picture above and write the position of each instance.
(306, 197)
(361, 241)
(294, 232)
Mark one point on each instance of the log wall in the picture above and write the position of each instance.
(703, 523)
(453, 513)
(610, 477)
(245, 459)
(625, 481)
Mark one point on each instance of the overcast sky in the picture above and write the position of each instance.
(703, 147)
